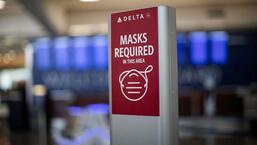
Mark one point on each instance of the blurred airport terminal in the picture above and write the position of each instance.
(54, 70)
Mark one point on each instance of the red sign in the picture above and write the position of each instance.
(134, 59)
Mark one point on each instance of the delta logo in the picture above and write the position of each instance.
(132, 17)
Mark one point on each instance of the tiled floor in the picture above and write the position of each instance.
(189, 135)
(31, 139)
(236, 140)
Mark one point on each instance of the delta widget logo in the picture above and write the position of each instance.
(133, 17)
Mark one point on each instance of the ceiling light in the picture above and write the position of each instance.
(89, 0)
(2, 4)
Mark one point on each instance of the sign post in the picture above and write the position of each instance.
(143, 77)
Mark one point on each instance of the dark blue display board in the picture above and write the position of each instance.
(219, 44)
(42, 54)
(61, 46)
(198, 48)
(71, 53)
(100, 52)
(82, 53)
(182, 50)
(81, 63)
(72, 63)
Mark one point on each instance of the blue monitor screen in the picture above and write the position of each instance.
(82, 53)
(181, 43)
(42, 52)
(198, 48)
(61, 51)
(100, 44)
(219, 42)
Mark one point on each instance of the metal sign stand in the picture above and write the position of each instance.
(154, 66)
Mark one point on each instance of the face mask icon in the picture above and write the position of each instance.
(134, 83)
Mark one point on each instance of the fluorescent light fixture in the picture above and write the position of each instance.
(2, 4)
(89, 0)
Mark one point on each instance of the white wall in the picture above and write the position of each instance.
(234, 17)
(57, 15)
(188, 18)
(16, 21)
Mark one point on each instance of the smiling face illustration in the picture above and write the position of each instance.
(134, 83)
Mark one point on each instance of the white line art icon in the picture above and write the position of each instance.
(134, 83)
